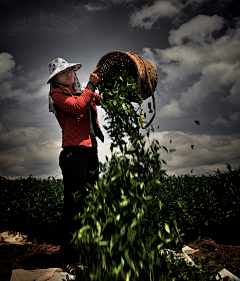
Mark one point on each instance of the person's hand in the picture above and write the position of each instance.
(94, 76)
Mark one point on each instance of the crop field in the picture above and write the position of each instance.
(200, 206)
(210, 203)
(197, 202)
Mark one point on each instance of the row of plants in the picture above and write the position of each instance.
(31, 205)
(208, 204)
(195, 201)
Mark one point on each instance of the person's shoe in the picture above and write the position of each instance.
(73, 268)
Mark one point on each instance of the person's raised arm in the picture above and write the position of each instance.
(77, 104)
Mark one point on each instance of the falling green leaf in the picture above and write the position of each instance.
(167, 227)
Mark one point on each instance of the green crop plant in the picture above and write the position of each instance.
(119, 235)
(30, 205)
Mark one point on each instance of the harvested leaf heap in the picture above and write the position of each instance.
(119, 238)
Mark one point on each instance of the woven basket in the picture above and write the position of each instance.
(144, 72)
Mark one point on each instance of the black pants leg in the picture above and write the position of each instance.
(76, 164)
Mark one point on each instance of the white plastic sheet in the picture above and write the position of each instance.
(13, 238)
(48, 274)
(224, 272)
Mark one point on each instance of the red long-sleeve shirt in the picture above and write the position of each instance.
(73, 116)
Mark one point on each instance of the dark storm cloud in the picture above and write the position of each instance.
(209, 153)
(148, 15)
(43, 16)
(192, 46)
(211, 64)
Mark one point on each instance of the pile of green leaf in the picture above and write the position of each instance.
(120, 94)
(118, 239)
(119, 82)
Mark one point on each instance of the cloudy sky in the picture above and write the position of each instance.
(193, 44)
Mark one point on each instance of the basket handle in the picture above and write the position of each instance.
(142, 114)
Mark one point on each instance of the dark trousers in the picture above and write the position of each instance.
(76, 164)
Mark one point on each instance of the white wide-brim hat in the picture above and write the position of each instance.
(58, 65)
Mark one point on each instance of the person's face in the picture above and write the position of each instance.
(65, 77)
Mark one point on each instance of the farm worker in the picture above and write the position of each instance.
(75, 109)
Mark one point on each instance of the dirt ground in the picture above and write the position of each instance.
(228, 256)
(30, 256)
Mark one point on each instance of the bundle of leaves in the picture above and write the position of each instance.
(118, 90)
(120, 81)
(119, 238)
